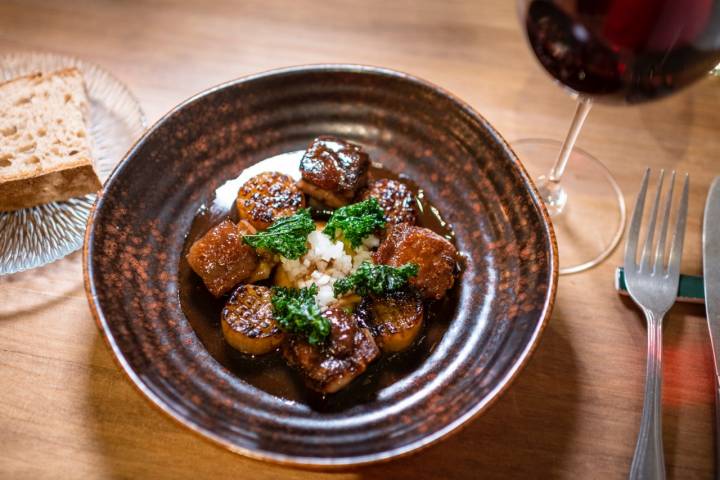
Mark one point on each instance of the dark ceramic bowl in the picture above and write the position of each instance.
(135, 240)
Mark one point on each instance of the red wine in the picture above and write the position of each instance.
(627, 51)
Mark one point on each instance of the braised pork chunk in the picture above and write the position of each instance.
(221, 258)
(333, 170)
(435, 256)
(395, 198)
(343, 356)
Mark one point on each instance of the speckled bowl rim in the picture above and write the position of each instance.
(337, 463)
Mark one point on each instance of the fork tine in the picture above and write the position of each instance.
(677, 241)
(634, 231)
(647, 247)
(660, 250)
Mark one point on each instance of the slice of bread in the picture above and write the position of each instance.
(44, 140)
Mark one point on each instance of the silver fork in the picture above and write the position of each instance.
(653, 286)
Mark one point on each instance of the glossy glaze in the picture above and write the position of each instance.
(270, 373)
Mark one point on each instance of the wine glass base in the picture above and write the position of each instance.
(590, 225)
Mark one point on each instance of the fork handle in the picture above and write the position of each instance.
(649, 461)
(717, 425)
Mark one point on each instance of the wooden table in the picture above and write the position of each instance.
(66, 410)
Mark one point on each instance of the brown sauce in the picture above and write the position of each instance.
(269, 372)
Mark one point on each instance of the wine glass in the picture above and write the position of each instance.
(615, 52)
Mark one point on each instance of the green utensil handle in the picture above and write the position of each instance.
(690, 290)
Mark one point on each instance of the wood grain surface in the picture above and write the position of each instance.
(66, 410)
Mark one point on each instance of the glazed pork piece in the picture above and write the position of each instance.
(435, 256)
(221, 258)
(268, 196)
(395, 198)
(396, 319)
(344, 355)
(248, 323)
(333, 170)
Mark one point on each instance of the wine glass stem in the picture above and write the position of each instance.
(581, 113)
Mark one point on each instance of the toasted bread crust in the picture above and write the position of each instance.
(49, 187)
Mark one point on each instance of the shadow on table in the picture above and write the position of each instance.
(678, 358)
(52, 277)
(525, 434)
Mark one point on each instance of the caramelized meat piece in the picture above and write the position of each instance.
(333, 170)
(266, 260)
(268, 196)
(248, 323)
(395, 198)
(396, 319)
(221, 258)
(436, 257)
(344, 355)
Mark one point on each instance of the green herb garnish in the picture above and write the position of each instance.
(287, 236)
(356, 221)
(297, 312)
(375, 279)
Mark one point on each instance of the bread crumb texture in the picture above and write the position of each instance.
(44, 141)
